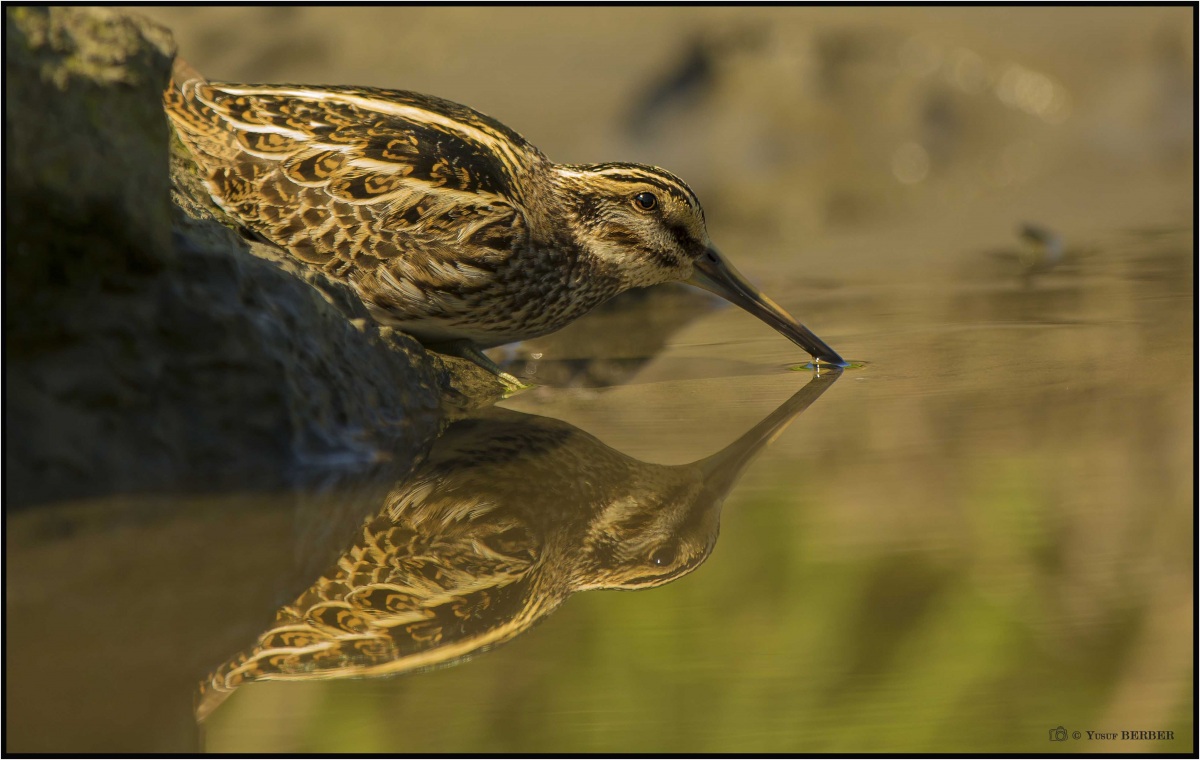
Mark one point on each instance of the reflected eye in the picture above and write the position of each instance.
(645, 201)
(663, 556)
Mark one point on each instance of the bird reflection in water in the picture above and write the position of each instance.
(508, 516)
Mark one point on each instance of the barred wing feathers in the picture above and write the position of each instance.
(353, 179)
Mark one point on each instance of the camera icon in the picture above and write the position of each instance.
(1058, 734)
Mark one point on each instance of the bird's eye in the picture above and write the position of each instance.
(645, 201)
(664, 555)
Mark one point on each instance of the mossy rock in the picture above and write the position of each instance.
(148, 346)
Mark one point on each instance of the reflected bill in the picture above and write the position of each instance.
(508, 516)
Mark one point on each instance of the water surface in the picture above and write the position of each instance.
(982, 533)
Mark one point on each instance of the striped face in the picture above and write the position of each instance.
(640, 223)
(650, 536)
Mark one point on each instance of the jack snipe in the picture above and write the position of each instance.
(508, 516)
(448, 224)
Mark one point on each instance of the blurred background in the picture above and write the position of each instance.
(982, 533)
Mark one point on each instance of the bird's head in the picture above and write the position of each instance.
(639, 224)
(642, 226)
(653, 532)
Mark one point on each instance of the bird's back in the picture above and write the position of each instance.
(416, 201)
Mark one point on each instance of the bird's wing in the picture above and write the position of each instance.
(356, 180)
(433, 578)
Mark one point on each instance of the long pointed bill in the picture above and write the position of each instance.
(716, 275)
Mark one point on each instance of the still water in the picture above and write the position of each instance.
(981, 532)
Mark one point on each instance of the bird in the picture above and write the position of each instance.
(508, 516)
(449, 225)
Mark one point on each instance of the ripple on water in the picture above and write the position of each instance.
(811, 366)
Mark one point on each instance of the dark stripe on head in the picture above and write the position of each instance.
(650, 175)
(683, 237)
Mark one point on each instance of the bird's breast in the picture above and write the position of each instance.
(535, 292)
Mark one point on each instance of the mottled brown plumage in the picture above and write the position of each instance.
(507, 517)
(448, 224)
